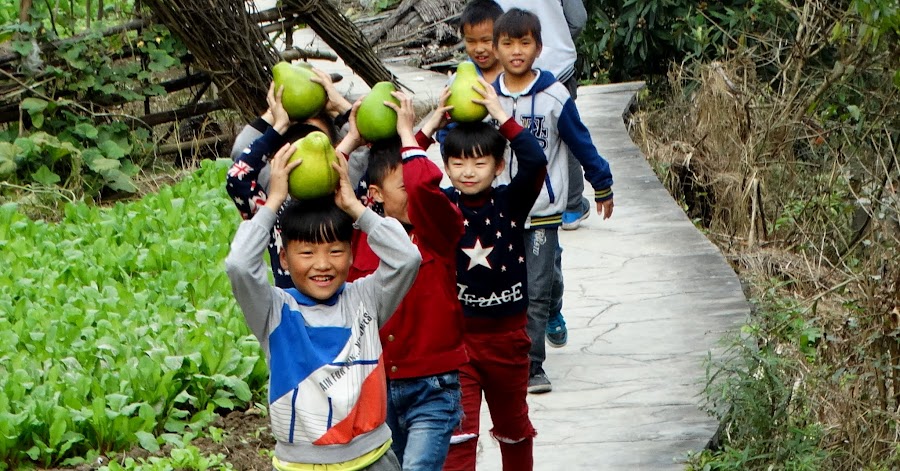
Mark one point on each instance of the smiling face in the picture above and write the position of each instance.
(479, 41)
(517, 55)
(317, 269)
(473, 175)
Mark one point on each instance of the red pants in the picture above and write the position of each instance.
(498, 367)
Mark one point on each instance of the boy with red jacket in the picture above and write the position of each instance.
(423, 346)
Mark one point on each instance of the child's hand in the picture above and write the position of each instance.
(281, 120)
(605, 208)
(353, 139)
(406, 114)
(336, 104)
(439, 118)
(344, 197)
(278, 181)
(490, 100)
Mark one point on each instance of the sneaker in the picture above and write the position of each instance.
(557, 334)
(539, 383)
(571, 220)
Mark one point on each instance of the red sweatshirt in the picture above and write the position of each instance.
(424, 336)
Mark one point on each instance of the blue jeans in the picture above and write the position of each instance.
(422, 414)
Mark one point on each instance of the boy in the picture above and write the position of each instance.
(543, 106)
(476, 24)
(326, 385)
(423, 346)
(492, 281)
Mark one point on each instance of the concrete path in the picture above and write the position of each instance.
(646, 297)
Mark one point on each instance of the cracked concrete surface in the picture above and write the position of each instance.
(647, 297)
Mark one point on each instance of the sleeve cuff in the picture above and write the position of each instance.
(260, 125)
(368, 221)
(510, 129)
(408, 153)
(603, 195)
(423, 140)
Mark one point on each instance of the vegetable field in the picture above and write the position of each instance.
(117, 325)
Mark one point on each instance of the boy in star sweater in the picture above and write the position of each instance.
(492, 281)
(327, 399)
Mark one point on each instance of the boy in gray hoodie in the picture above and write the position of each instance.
(543, 106)
(327, 393)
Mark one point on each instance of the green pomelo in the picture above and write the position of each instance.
(302, 98)
(461, 95)
(374, 120)
(315, 177)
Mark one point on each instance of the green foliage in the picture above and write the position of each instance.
(77, 134)
(187, 458)
(117, 325)
(630, 38)
(758, 392)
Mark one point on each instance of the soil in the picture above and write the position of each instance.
(245, 443)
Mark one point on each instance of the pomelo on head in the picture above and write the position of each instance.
(302, 98)
(374, 120)
(461, 94)
(315, 177)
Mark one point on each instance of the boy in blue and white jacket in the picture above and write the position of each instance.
(327, 393)
(543, 106)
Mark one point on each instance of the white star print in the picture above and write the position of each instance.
(512, 223)
(478, 255)
(499, 234)
(466, 222)
(521, 259)
(487, 221)
(502, 267)
(510, 247)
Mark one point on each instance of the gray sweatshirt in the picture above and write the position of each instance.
(327, 392)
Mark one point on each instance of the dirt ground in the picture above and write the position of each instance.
(245, 440)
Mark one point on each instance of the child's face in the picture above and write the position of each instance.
(317, 270)
(479, 40)
(392, 194)
(472, 175)
(517, 55)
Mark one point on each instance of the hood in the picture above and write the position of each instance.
(544, 80)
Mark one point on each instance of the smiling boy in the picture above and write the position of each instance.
(543, 106)
(492, 282)
(327, 399)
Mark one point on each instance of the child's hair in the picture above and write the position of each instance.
(384, 157)
(316, 221)
(479, 11)
(474, 139)
(302, 129)
(518, 23)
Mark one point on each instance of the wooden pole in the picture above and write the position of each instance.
(24, 11)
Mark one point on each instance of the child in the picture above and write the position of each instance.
(423, 347)
(543, 106)
(248, 178)
(491, 279)
(326, 386)
(476, 23)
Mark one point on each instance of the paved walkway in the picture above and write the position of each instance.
(646, 297)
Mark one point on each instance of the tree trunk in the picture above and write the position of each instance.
(24, 11)
(344, 37)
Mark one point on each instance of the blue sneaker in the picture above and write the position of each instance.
(571, 220)
(557, 334)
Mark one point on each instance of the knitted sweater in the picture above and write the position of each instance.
(490, 261)
(327, 391)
